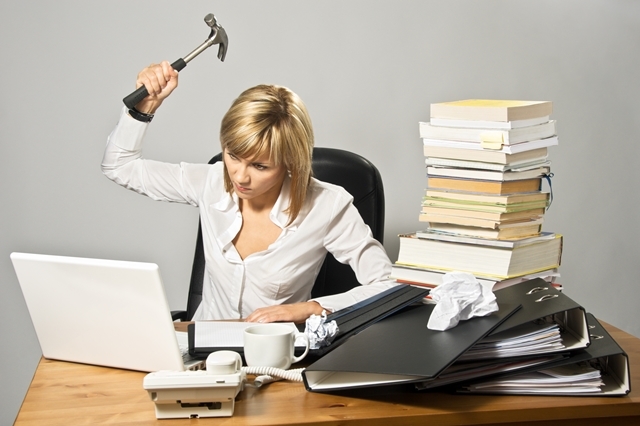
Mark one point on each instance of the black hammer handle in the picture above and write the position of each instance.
(132, 99)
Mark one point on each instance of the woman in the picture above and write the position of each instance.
(266, 223)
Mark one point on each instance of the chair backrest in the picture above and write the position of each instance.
(355, 174)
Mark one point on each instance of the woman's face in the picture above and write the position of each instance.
(256, 178)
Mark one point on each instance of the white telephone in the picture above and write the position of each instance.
(193, 394)
(210, 392)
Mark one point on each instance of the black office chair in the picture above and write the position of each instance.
(355, 174)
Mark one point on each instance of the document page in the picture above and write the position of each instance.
(573, 378)
(225, 334)
(527, 339)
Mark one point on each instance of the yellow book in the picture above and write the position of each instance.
(482, 198)
(491, 109)
(486, 215)
(485, 186)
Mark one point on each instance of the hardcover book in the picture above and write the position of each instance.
(485, 186)
(484, 260)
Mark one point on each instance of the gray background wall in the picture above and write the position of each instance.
(368, 71)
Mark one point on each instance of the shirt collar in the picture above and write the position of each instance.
(278, 214)
(227, 201)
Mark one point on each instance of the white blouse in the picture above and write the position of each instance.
(286, 271)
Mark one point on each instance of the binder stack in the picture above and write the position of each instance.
(538, 330)
(602, 369)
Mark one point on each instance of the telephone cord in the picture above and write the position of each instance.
(266, 375)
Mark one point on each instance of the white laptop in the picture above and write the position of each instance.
(102, 312)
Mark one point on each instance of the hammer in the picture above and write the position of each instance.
(217, 36)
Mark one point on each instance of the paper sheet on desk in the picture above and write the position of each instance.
(227, 334)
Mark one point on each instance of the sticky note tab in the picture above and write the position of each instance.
(491, 140)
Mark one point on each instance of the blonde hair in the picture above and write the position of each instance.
(274, 120)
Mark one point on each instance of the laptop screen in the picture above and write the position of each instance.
(96, 311)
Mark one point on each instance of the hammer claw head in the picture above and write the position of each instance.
(223, 44)
(218, 36)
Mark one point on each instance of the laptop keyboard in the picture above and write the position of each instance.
(183, 344)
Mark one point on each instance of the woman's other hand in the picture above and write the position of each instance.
(294, 312)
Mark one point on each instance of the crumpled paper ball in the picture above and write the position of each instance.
(458, 298)
(320, 332)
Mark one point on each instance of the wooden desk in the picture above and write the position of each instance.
(76, 394)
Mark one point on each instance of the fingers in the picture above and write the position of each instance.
(262, 315)
(296, 312)
(269, 314)
(159, 80)
(157, 77)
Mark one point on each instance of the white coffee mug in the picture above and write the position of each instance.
(272, 345)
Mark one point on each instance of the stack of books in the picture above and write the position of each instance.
(487, 163)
